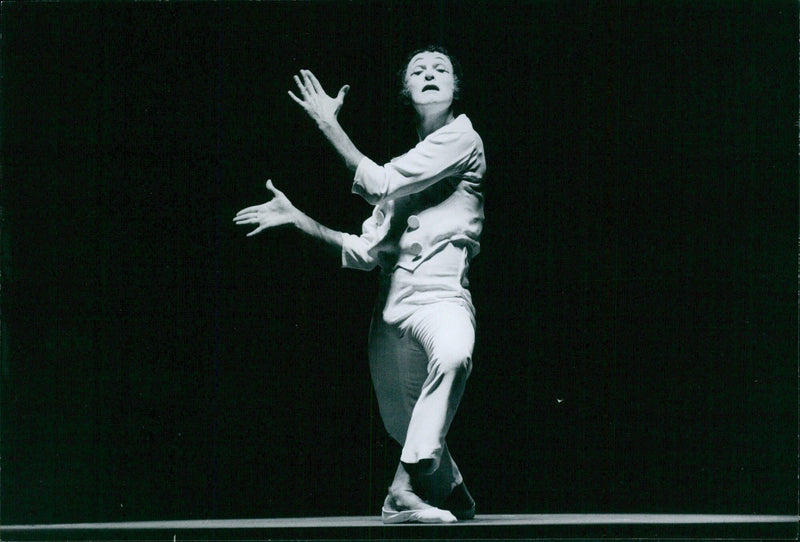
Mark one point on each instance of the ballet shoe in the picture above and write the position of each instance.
(424, 515)
(421, 515)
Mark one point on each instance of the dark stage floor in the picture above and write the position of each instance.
(495, 527)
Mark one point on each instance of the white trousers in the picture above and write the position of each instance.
(420, 362)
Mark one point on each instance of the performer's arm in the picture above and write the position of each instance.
(438, 156)
(279, 211)
(448, 152)
(325, 110)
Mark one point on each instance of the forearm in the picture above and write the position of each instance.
(340, 141)
(330, 239)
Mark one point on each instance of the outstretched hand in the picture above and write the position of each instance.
(319, 106)
(278, 211)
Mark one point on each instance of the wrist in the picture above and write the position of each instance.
(329, 125)
(299, 220)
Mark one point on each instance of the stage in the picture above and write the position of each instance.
(496, 527)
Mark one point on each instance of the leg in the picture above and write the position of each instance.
(446, 332)
(398, 366)
(398, 369)
(419, 371)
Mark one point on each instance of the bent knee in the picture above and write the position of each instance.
(456, 362)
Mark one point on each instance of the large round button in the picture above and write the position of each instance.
(413, 222)
(415, 249)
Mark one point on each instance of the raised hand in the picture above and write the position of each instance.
(319, 106)
(278, 211)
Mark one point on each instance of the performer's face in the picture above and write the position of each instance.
(429, 79)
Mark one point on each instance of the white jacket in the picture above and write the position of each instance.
(428, 197)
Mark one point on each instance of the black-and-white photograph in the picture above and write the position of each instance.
(353, 270)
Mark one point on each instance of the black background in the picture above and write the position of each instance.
(636, 290)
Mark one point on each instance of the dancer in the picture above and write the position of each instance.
(423, 232)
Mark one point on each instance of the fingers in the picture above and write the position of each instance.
(246, 219)
(311, 78)
(311, 91)
(248, 210)
(251, 215)
(295, 98)
(262, 221)
(301, 86)
(309, 84)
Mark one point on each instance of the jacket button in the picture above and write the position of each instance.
(415, 249)
(413, 222)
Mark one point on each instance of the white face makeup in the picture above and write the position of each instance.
(430, 80)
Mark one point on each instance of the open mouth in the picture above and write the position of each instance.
(429, 87)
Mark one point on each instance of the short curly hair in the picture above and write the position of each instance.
(405, 97)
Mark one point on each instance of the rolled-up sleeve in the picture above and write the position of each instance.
(442, 154)
(355, 253)
(357, 249)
